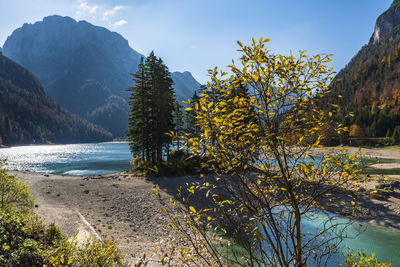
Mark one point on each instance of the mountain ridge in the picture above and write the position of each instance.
(85, 68)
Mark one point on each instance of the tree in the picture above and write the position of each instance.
(268, 183)
(178, 121)
(139, 127)
(191, 126)
(151, 110)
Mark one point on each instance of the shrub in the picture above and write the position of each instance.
(14, 194)
(362, 260)
(24, 239)
(91, 253)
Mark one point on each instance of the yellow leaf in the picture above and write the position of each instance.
(192, 209)
(352, 203)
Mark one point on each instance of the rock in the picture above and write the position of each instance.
(86, 191)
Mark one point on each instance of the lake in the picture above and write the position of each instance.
(102, 158)
(74, 159)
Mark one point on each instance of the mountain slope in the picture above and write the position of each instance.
(28, 115)
(84, 68)
(370, 83)
(184, 85)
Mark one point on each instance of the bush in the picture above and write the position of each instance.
(14, 194)
(25, 240)
(362, 260)
(91, 253)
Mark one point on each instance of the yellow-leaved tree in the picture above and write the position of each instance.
(261, 133)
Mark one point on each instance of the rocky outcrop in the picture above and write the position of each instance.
(387, 21)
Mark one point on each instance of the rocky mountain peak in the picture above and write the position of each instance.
(387, 21)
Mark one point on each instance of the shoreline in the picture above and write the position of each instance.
(169, 184)
(121, 207)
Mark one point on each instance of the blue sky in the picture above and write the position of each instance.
(196, 35)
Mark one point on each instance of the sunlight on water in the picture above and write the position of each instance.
(74, 159)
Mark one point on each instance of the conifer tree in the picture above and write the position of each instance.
(138, 131)
(151, 103)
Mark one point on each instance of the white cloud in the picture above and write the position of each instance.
(119, 23)
(85, 7)
(93, 9)
(111, 12)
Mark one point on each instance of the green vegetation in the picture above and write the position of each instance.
(14, 194)
(26, 241)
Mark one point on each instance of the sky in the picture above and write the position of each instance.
(197, 35)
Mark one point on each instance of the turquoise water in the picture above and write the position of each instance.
(74, 159)
(381, 241)
(102, 158)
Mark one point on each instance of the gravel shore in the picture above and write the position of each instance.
(118, 207)
(123, 208)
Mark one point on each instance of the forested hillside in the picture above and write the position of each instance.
(369, 85)
(28, 115)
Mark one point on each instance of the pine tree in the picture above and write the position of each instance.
(138, 131)
(151, 115)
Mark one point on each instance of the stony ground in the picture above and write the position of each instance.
(118, 207)
(123, 208)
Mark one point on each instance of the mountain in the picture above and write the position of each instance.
(370, 83)
(184, 84)
(28, 115)
(84, 68)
